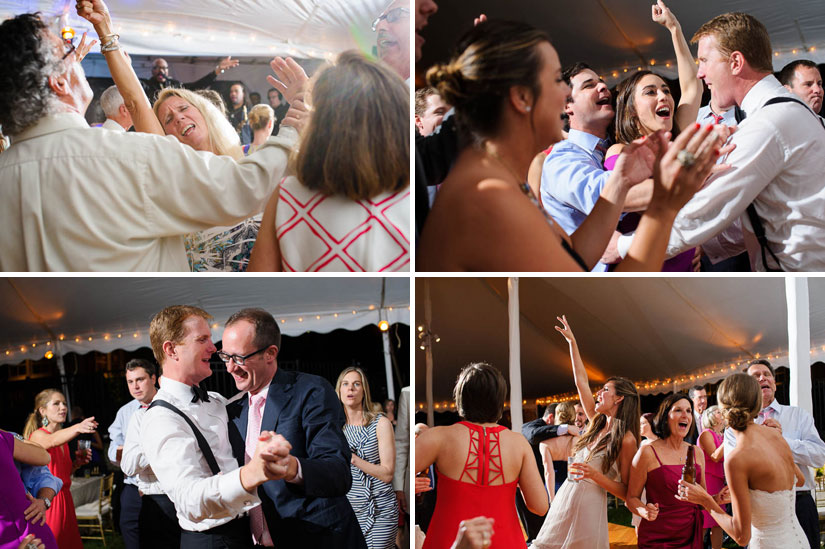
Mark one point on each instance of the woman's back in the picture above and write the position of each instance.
(766, 458)
(560, 448)
(478, 470)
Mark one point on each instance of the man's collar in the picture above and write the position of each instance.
(759, 94)
(774, 404)
(52, 123)
(260, 394)
(585, 140)
(177, 389)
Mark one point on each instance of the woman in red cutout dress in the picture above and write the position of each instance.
(44, 427)
(479, 464)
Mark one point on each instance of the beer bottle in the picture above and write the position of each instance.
(689, 470)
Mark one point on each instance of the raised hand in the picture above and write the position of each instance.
(635, 164)
(480, 19)
(566, 331)
(289, 78)
(82, 49)
(88, 425)
(228, 63)
(94, 11)
(661, 14)
(298, 115)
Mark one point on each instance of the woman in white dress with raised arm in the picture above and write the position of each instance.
(760, 472)
(578, 517)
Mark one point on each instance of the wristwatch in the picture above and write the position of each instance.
(48, 502)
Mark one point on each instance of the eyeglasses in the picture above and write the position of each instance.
(70, 44)
(239, 360)
(391, 16)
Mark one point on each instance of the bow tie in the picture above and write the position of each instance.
(199, 394)
(738, 114)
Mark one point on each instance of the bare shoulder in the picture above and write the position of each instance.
(614, 149)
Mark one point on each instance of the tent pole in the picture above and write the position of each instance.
(61, 367)
(515, 355)
(385, 337)
(428, 356)
(799, 341)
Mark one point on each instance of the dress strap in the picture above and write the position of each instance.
(657, 456)
(483, 465)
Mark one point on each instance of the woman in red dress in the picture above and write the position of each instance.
(479, 464)
(44, 426)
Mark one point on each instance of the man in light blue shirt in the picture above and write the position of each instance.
(141, 377)
(573, 174)
(37, 480)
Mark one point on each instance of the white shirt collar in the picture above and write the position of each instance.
(180, 391)
(50, 124)
(761, 92)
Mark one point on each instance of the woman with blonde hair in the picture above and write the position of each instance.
(556, 450)
(479, 464)
(372, 443)
(44, 427)
(195, 121)
(261, 120)
(347, 208)
(711, 441)
(761, 475)
(578, 518)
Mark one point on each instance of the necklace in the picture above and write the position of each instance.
(522, 185)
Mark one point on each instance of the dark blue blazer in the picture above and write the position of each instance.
(305, 410)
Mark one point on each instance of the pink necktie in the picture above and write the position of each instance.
(260, 533)
(767, 413)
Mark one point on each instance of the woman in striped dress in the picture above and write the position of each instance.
(371, 440)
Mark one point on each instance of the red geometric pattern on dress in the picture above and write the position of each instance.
(495, 470)
(475, 453)
(337, 249)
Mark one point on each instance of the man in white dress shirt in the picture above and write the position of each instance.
(797, 427)
(779, 160)
(74, 198)
(117, 115)
(141, 378)
(189, 450)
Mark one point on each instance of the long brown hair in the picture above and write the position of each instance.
(35, 419)
(366, 402)
(626, 419)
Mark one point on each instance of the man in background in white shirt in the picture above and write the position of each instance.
(199, 474)
(117, 115)
(797, 427)
(141, 378)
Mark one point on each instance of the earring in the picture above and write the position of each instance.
(528, 108)
(45, 422)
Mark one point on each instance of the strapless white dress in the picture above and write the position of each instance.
(773, 521)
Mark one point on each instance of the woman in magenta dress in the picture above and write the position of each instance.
(479, 464)
(44, 427)
(644, 104)
(657, 467)
(13, 525)
(711, 441)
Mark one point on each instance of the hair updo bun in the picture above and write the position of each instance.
(490, 59)
(740, 399)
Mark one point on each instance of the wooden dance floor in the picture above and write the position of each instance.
(621, 537)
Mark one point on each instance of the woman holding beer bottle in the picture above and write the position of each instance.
(45, 427)
(657, 468)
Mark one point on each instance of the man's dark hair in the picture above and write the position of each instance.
(27, 59)
(246, 101)
(551, 409)
(479, 393)
(695, 388)
(266, 328)
(567, 75)
(763, 362)
(280, 95)
(135, 363)
(786, 75)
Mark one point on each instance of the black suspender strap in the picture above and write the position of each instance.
(756, 223)
(204, 446)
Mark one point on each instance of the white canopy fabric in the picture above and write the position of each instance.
(689, 329)
(104, 314)
(299, 28)
(615, 35)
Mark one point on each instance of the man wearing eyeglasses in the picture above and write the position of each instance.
(393, 38)
(309, 509)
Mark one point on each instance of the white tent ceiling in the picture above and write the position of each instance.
(103, 314)
(646, 329)
(612, 35)
(300, 28)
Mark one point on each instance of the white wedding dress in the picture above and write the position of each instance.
(773, 521)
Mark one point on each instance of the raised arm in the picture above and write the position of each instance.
(58, 438)
(579, 373)
(690, 85)
(143, 118)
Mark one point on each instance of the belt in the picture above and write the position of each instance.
(803, 493)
